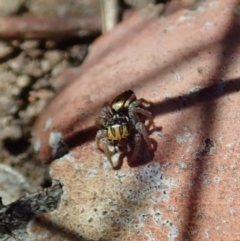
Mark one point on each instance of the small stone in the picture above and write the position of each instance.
(29, 44)
(17, 64)
(50, 44)
(45, 66)
(15, 90)
(5, 120)
(5, 50)
(13, 185)
(32, 110)
(8, 7)
(42, 83)
(33, 68)
(78, 53)
(15, 43)
(23, 81)
(35, 53)
(7, 76)
(13, 132)
(41, 94)
(6, 103)
(29, 113)
(53, 56)
(59, 68)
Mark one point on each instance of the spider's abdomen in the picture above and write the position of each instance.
(118, 131)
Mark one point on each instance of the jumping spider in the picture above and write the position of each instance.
(120, 122)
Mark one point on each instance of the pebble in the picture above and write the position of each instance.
(7, 76)
(6, 103)
(35, 53)
(13, 132)
(59, 68)
(5, 50)
(9, 7)
(13, 184)
(17, 63)
(78, 52)
(45, 65)
(33, 68)
(29, 44)
(54, 56)
(23, 81)
(15, 90)
(42, 83)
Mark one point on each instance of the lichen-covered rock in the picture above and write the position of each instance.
(187, 65)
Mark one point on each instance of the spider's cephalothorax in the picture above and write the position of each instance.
(120, 121)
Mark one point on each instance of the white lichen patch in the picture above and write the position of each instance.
(182, 165)
(195, 89)
(177, 76)
(151, 183)
(149, 236)
(159, 135)
(206, 234)
(216, 179)
(124, 201)
(181, 139)
(36, 145)
(91, 173)
(208, 25)
(230, 145)
(69, 157)
(232, 211)
(55, 141)
(218, 227)
(167, 96)
(185, 18)
(201, 9)
(158, 219)
(184, 137)
(170, 28)
(214, 4)
(48, 124)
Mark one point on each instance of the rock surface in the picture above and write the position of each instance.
(187, 65)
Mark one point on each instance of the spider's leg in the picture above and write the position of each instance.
(105, 144)
(134, 109)
(137, 140)
(141, 129)
(145, 103)
(147, 114)
(104, 116)
(100, 135)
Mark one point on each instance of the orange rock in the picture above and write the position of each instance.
(187, 64)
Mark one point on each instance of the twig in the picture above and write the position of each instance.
(29, 27)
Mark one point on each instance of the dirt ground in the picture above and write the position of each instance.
(27, 74)
(28, 70)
